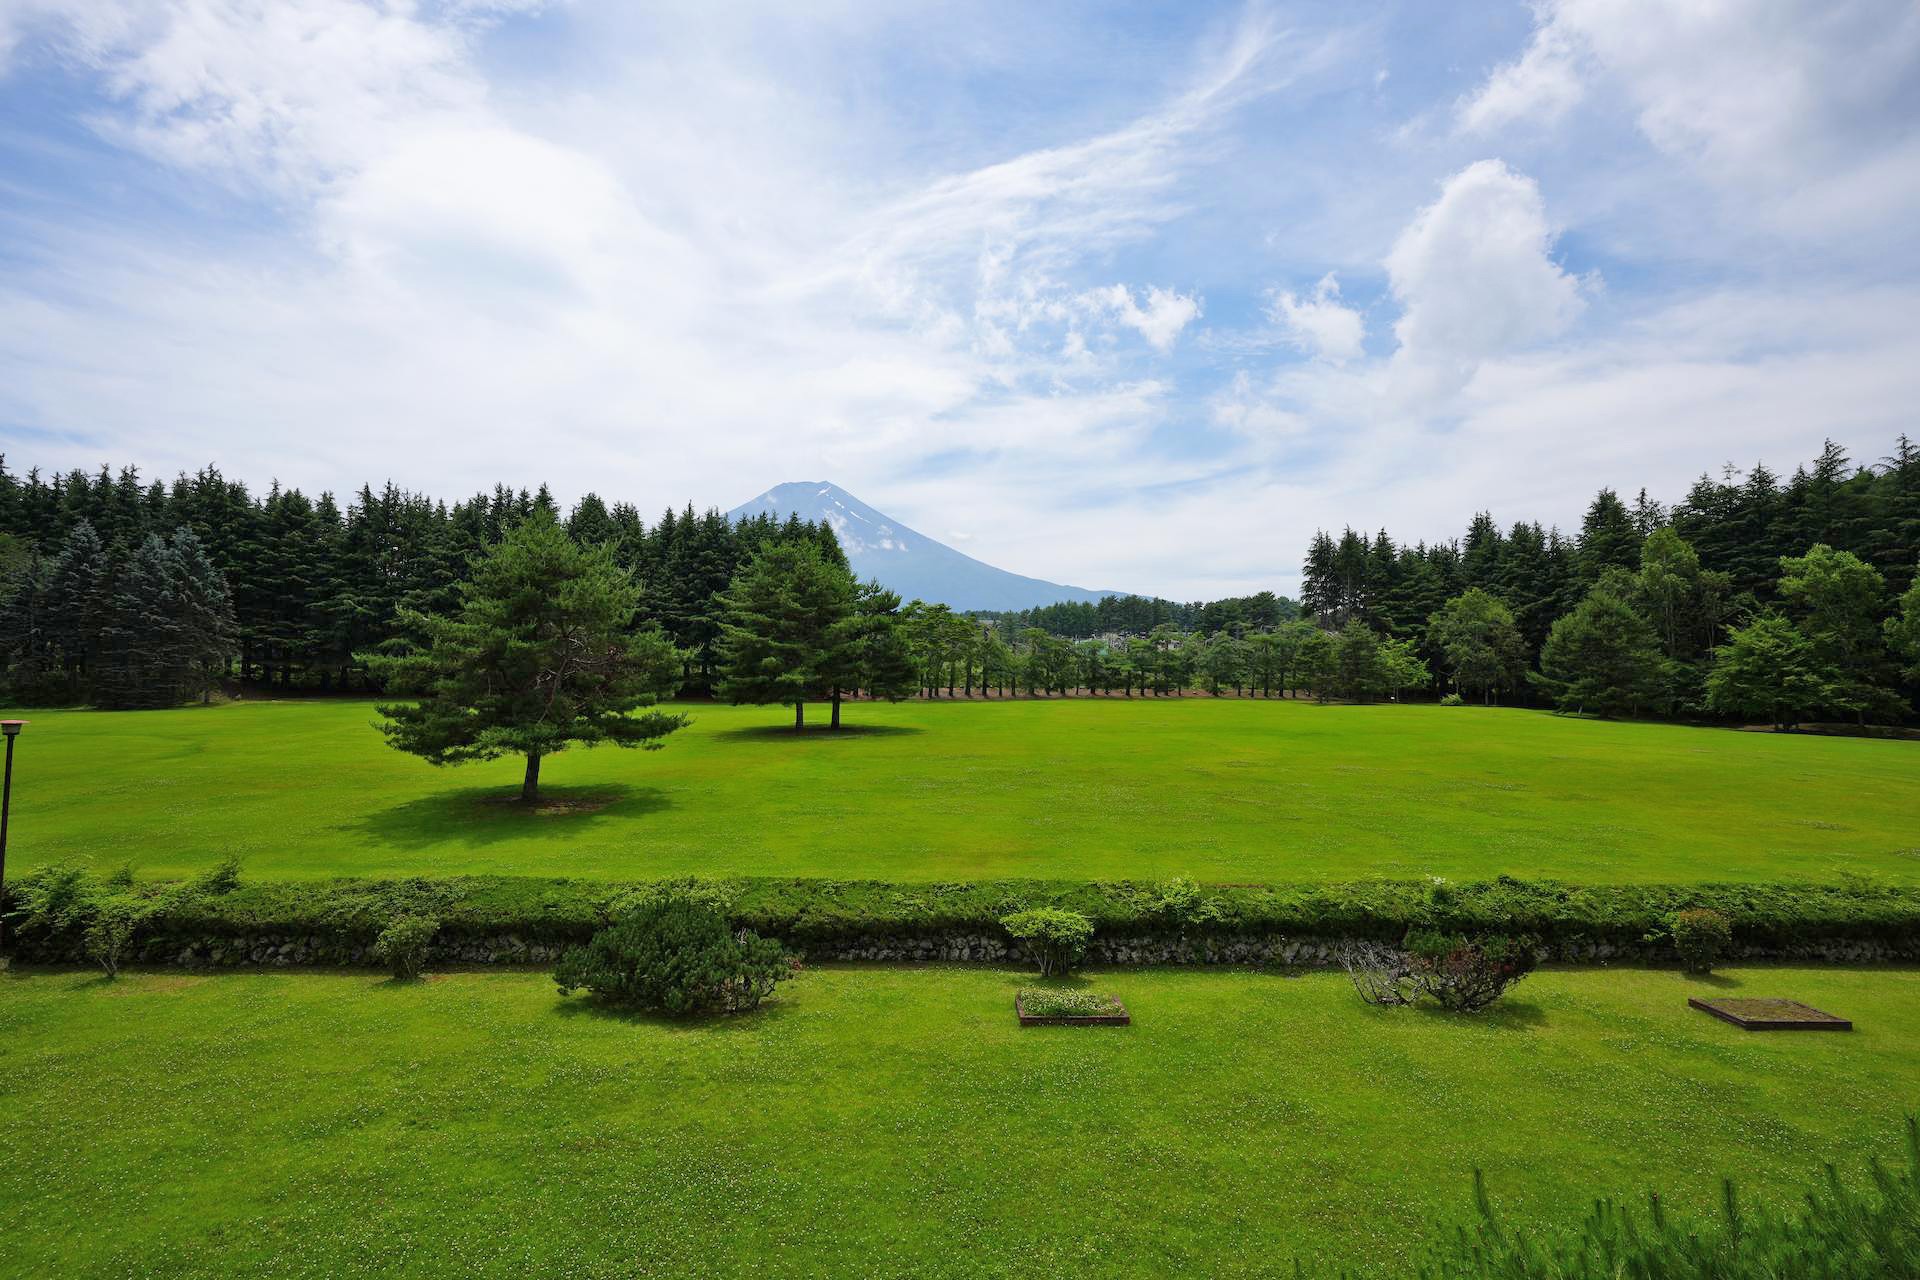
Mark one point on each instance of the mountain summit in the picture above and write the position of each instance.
(904, 560)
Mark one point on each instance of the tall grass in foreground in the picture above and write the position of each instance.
(1840, 1232)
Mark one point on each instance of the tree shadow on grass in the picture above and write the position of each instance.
(770, 1011)
(1505, 1015)
(1719, 980)
(488, 815)
(816, 732)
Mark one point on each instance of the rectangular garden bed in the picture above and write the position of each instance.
(1069, 1009)
(1770, 1015)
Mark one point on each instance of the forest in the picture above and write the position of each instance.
(1750, 598)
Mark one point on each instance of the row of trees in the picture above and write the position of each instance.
(120, 626)
(1648, 610)
(1138, 615)
(957, 654)
(122, 589)
(313, 584)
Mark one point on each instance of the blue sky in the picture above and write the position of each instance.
(1121, 294)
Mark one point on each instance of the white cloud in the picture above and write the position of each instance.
(693, 251)
(1774, 97)
(1319, 323)
(1539, 87)
(289, 94)
(1475, 276)
(1159, 321)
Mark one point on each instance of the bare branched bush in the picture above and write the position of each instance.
(1382, 973)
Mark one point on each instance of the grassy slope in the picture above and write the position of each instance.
(888, 1121)
(1230, 791)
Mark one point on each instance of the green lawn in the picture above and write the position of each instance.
(1085, 789)
(889, 1121)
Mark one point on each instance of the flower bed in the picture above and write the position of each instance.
(1051, 1007)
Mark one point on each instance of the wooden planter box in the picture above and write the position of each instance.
(1770, 1015)
(1118, 1018)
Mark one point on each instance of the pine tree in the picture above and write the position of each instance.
(781, 615)
(1603, 658)
(79, 596)
(1359, 672)
(1608, 538)
(866, 650)
(538, 658)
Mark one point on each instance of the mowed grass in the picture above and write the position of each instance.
(1225, 790)
(892, 1122)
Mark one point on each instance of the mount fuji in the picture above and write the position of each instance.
(905, 560)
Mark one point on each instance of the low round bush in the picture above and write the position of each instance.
(1466, 974)
(1057, 940)
(676, 954)
(1700, 935)
(1452, 700)
(402, 945)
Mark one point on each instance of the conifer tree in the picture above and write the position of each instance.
(1603, 657)
(866, 650)
(539, 657)
(779, 621)
(1608, 538)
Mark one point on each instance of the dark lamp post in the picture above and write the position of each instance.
(11, 728)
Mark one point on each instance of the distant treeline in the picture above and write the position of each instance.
(1832, 551)
(1751, 599)
(1141, 615)
(1800, 593)
(308, 583)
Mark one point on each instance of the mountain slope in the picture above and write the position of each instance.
(904, 560)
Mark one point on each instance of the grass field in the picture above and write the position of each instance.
(1085, 789)
(889, 1121)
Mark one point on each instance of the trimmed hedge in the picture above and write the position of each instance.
(808, 913)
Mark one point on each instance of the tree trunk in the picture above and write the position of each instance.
(836, 709)
(530, 786)
(799, 716)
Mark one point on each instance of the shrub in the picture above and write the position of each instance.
(1452, 700)
(56, 903)
(1466, 974)
(223, 877)
(676, 954)
(1382, 974)
(1700, 935)
(112, 920)
(345, 915)
(402, 945)
(1837, 1232)
(1057, 940)
(1182, 902)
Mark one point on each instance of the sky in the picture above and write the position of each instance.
(1116, 294)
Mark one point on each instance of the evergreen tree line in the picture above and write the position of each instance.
(1132, 615)
(1692, 611)
(307, 585)
(1716, 607)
